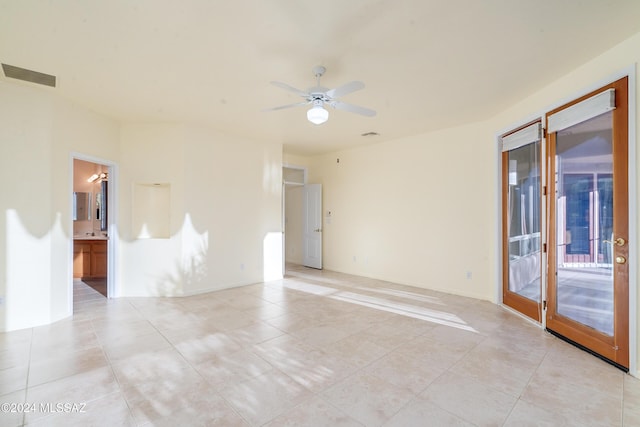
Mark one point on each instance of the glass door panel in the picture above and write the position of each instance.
(521, 225)
(584, 165)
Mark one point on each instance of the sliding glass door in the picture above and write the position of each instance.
(521, 221)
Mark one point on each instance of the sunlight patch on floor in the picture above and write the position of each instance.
(405, 294)
(433, 316)
(309, 288)
(378, 303)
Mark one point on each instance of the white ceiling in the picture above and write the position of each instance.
(427, 64)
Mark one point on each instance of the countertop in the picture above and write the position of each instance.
(90, 238)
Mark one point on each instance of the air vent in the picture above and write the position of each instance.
(29, 75)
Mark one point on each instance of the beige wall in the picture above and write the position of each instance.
(425, 210)
(296, 160)
(412, 211)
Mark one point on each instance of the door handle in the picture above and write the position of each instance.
(318, 230)
(620, 241)
(620, 259)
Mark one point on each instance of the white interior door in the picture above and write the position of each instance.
(312, 226)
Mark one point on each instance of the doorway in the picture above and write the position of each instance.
(294, 178)
(302, 219)
(92, 207)
(565, 222)
(588, 290)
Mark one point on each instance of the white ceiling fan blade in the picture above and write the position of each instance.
(345, 89)
(282, 107)
(352, 108)
(290, 89)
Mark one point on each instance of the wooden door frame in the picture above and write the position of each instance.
(616, 347)
(512, 299)
(630, 72)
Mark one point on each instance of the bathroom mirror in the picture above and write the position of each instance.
(81, 206)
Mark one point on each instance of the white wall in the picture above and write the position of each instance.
(225, 209)
(38, 133)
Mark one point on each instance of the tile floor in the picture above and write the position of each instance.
(315, 349)
(99, 285)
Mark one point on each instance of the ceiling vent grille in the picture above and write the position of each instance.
(29, 75)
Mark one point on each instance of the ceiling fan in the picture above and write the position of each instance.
(320, 96)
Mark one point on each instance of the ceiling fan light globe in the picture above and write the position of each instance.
(317, 115)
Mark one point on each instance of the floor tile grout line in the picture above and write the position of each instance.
(26, 380)
(137, 309)
(517, 398)
(110, 363)
(27, 388)
(186, 360)
(256, 376)
(547, 354)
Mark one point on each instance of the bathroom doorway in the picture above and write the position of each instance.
(91, 214)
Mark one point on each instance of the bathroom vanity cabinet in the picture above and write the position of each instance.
(89, 259)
